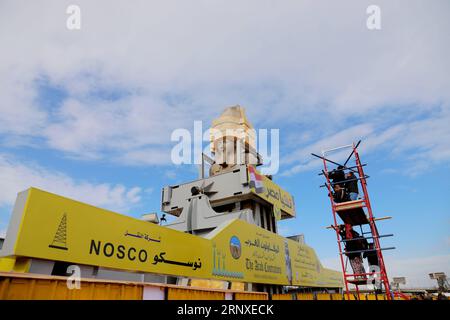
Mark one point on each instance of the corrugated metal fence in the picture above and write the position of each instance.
(21, 286)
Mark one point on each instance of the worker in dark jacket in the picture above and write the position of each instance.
(347, 233)
(340, 194)
(351, 186)
(337, 179)
(337, 176)
(371, 256)
(374, 266)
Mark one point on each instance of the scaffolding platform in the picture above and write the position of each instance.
(349, 205)
(358, 282)
(352, 212)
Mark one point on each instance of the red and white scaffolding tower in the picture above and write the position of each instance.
(356, 213)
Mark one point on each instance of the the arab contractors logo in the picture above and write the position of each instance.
(235, 247)
(256, 180)
(60, 238)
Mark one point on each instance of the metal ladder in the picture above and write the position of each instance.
(356, 213)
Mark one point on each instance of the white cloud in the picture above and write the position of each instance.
(303, 159)
(19, 116)
(17, 176)
(416, 270)
(421, 143)
(304, 63)
(171, 174)
(128, 126)
(147, 156)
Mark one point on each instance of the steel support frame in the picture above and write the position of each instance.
(373, 228)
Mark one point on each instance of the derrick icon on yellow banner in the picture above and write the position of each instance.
(223, 243)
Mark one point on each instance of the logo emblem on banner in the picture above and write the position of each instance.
(235, 247)
(60, 238)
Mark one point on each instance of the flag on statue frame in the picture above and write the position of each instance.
(256, 180)
(277, 212)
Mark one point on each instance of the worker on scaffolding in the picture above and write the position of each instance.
(374, 266)
(371, 256)
(354, 209)
(351, 186)
(340, 194)
(337, 177)
(354, 244)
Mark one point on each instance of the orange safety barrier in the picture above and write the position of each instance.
(283, 296)
(352, 296)
(305, 296)
(323, 296)
(192, 294)
(55, 288)
(251, 296)
(22, 286)
(336, 296)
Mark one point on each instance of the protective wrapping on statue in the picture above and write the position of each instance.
(233, 138)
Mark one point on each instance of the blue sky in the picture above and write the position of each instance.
(88, 114)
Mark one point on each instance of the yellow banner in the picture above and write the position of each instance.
(271, 192)
(52, 227)
(57, 228)
(253, 254)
